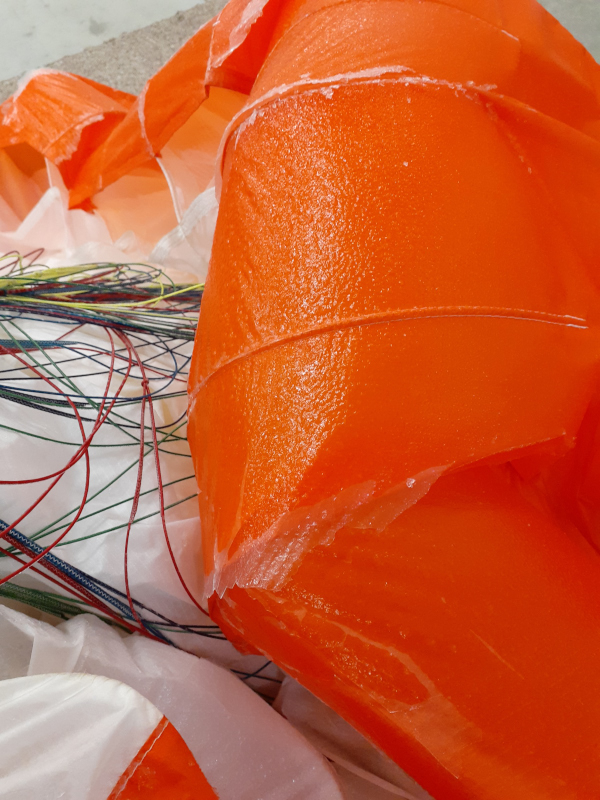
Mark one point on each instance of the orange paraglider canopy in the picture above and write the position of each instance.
(394, 395)
(397, 349)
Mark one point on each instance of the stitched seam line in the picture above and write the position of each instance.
(407, 315)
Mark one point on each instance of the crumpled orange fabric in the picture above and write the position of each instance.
(393, 402)
(394, 407)
(163, 769)
(54, 112)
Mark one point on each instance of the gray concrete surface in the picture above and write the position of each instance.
(582, 18)
(38, 32)
(127, 61)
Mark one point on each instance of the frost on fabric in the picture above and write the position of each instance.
(71, 138)
(238, 29)
(9, 116)
(269, 561)
(141, 111)
(381, 75)
(41, 112)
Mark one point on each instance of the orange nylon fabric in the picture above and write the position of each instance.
(394, 389)
(394, 406)
(164, 769)
(63, 117)
(107, 141)
(534, 59)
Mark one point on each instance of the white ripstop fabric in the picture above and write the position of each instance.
(69, 736)
(245, 748)
(164, 214)
(364, 771)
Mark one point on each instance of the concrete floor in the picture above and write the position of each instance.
(42, 31)
(128, 60)
(581, 17)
